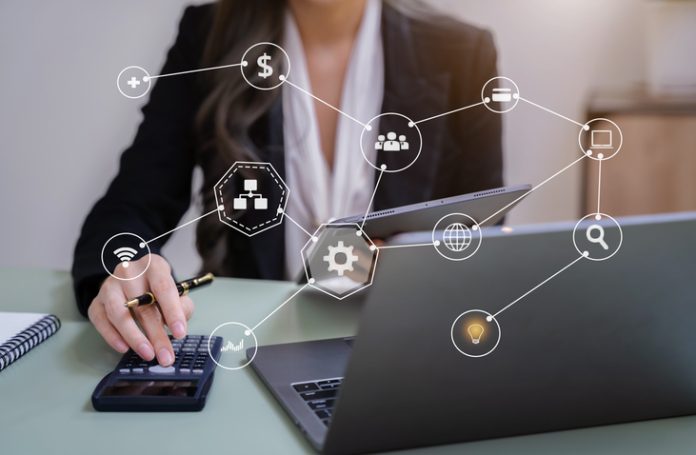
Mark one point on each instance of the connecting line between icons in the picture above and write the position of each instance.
(279, 307)
(372, 198)
(184, 225)
(449, 112)
(599, 187)
(534, 188)
(199, 70)
(285, 79)
(582, 125)
(490, 318)
(412, 245)
(280, 210)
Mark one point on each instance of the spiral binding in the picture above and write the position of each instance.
(26, 340)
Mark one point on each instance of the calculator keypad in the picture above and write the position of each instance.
(191, 355)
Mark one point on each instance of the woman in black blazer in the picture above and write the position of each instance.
(432, 64)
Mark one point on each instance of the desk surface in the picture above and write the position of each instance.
(44, 396)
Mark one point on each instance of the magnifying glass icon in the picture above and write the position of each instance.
(599, 239)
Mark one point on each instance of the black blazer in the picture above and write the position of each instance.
(432, 65)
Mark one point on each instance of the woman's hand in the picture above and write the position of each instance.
(116, 324)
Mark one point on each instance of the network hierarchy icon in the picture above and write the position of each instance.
(340, 259)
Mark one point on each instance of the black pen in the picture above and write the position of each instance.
(183, 287)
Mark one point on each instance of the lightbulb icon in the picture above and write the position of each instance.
(475, 332)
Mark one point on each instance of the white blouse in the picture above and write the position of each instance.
(318, 195)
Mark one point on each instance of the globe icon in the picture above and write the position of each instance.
(457, 237)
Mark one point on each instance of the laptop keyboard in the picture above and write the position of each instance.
(320, 396)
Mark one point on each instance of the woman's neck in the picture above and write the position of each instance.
(326, 22)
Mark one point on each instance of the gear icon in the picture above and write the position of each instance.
(344, 266)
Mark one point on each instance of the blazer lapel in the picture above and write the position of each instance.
(268, 247)
(417, 93)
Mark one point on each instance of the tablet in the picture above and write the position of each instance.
(485, 207)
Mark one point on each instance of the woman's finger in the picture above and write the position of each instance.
(119, 316)
(163, 287)
(151, 321)
(97, 314)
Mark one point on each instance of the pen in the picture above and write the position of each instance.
(183, 287)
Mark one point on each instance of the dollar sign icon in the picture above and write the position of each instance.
(263, 63)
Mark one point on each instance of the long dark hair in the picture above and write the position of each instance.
(230, 107)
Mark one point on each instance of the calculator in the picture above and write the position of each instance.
(139, 385)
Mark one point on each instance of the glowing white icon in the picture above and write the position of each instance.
(475, 332)
(457, 237)
(262, 61)
(125, 254)
(346, 256)
(389, 143)
(260, 202)
(598, 239)
(502, 95)
(133, 82)
(602, 139)
(233, 347)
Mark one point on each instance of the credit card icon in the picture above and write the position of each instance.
(502, 95)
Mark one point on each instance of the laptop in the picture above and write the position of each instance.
(600, 343)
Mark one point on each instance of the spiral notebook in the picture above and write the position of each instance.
(21, 332)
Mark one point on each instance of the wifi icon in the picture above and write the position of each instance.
(125, 254)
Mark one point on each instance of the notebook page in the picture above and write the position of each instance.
(12, 324)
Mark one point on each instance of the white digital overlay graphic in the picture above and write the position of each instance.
(133, 82)
(239, 345)
(456, 236)
(340, 260)
(475, 333)
(265, 66)
(251, 197)
(597, 236)
(600, 139)
(500, 94)
(397, 145)
(121, 256)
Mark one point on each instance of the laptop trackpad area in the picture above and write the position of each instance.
(304, 361)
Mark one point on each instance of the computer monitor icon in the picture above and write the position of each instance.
(602, 139)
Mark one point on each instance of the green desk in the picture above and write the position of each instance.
(45, 406)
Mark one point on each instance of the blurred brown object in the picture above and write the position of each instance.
(655, 171)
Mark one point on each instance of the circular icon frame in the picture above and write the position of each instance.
(142, 244)
(488, 318)
(282, 77)
(146, 80)
(587, 129)
(599, 239)
(487, 100)
(409, 123)
(248, 331)
(475, 231)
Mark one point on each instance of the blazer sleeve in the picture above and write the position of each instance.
(152, 188)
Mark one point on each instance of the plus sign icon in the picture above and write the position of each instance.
(133, 82)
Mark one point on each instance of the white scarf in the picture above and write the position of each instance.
(316, 194)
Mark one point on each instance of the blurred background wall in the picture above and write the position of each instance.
(64, 124)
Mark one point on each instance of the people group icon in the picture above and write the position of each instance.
(390, 144)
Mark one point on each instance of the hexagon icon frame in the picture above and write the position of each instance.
(373, 265)
(277, 215)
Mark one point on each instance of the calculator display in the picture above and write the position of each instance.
(152, 388)
(140, 385)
